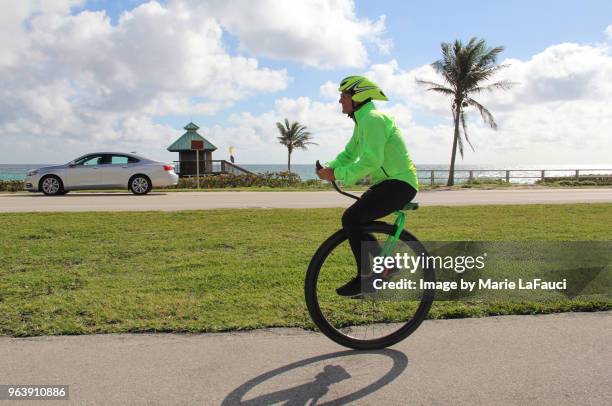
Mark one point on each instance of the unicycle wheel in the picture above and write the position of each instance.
(369, 321)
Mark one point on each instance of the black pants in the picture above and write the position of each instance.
(378, 201)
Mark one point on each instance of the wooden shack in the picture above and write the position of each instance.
(186, 165)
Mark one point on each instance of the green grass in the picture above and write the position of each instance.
(216, 270)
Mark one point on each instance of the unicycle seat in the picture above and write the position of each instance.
(411, 206)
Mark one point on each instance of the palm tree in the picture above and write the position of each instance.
(464, 68)
(293, 136)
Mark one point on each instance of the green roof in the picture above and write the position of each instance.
(191, 126)
(184, 142)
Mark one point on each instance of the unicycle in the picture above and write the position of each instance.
(374, 320)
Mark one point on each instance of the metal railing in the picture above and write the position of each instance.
(431, 176)
(210, 167)
(525, 176)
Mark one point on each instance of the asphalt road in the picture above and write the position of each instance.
(561, 359)
(23, 202)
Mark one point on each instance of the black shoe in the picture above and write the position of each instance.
(353, 287)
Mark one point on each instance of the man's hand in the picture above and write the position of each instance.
(326, 174)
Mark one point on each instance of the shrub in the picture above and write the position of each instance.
(313, 183)
(486, 181)
(470, 183)
(11, 185)
(572, 181)
(228, 180)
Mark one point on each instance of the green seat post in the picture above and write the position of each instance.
(392, 239)
(400, 220)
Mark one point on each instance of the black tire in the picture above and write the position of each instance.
(51, 185)
(405, 327)
(140, 184)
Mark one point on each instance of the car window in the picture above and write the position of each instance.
(81, 160)
(119, 160)
(132, 160)
(90, 160)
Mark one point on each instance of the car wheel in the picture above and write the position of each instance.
(51, 185)
(140, 185)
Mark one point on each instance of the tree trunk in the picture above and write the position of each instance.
(289, 161)
(451, 171)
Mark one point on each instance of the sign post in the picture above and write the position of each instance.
(197, 145)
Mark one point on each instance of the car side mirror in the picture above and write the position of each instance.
(72, 164)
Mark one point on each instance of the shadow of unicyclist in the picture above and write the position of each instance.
(330, 372)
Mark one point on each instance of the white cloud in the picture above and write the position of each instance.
(561, 72)
(329, 90)
(559, 113)
(13, 34)
(563, 100)
(562, 103)
(401, 86)
(320, 33)
(255, 136)
(73, 83)
(78, 77)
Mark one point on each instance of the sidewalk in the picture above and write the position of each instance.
(172, 201)
(560, 359)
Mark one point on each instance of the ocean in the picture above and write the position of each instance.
(519, 174)
(17, 171)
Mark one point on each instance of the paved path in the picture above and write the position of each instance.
(213, 200)
(561, 359)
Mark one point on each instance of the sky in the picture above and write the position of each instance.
(83, 76)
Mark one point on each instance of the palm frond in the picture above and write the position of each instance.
(444, 90)
(465, 133)
(428, 83)
(490, 57)
(502, 84)
(281, 128)
(436, 87)
(486, 115)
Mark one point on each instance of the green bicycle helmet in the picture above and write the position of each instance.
(361, 89)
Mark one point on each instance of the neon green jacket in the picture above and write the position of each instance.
(376, 149)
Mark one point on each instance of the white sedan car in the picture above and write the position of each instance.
(102, 170)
